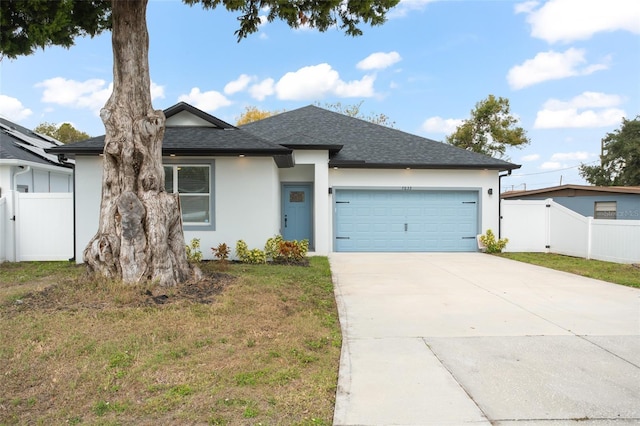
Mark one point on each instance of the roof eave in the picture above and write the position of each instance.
(365, 165)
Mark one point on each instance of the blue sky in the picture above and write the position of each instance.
(570, 68)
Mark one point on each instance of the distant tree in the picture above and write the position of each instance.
(490, 130)
(140, 235)
(620, 157)
(252, 113)
(65, 133)
(355, 111)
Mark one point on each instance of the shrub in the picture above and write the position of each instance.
(253, 256)
(242, 249)
(221, 252)
(493, 245)
(194, 255)
(271, 247)
(279, 250)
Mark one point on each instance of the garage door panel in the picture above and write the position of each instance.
(371, 220)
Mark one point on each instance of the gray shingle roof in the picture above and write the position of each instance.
(365, 144)
(19, 143)
(219, 139)
(193, 141)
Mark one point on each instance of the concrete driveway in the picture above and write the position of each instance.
(457, 339)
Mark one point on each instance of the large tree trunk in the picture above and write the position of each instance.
(140, 233)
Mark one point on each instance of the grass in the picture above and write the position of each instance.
(263, 350)
(617, 273)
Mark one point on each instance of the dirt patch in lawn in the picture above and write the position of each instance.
(49, 294)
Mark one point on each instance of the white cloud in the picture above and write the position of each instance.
(263, 89)
(13, 109)
(405, 6)
(569, 20)
(551, 66)
(571, 156)
(356, 88)
(589, 109)
(526, 7)
(530, 157)
(553, 165)
(317, 81)
(237, 85)
(91, 94)
(206, 101)
(379, 60)
(157, 91)
(546, 119)
(441, 125)
(585, 100)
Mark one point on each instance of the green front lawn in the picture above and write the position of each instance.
(617, 273)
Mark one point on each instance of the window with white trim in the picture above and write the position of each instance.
(193, 184)
(605, 210)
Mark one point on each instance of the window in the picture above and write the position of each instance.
(605, 210)
(193, 184)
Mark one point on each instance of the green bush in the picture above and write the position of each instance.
(194, 255)
(253, 256)
(492, 245)
(281, 251)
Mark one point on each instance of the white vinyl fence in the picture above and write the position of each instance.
(42, 229)
(546, 226)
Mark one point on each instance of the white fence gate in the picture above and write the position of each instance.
(546, 226)
(42, 229)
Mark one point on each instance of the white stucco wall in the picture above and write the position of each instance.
(480, 180)
(88, 186)
(247, 202)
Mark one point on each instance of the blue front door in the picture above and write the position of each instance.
(296, 218)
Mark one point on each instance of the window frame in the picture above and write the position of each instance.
(177, 162)
(610, 216)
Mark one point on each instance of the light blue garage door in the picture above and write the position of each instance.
(405, 221)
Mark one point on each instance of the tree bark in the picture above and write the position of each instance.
(140, 231)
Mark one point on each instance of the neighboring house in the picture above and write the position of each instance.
(25, 167)
(342, 183)
(599, 202)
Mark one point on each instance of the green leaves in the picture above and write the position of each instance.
(490, 130)
(26, 25)
(620, 159)
(318, 14)
(65, 133)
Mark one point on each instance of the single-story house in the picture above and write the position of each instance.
(343, 183)
(599, 202)
(26, 167)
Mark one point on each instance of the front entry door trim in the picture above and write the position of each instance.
(297, 212)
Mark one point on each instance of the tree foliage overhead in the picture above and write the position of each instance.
(620, 159)
(26, 25)
(318, 14)
(64, 133)
(356, 112)
(490, 130)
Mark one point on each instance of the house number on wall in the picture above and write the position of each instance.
(406, 188)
